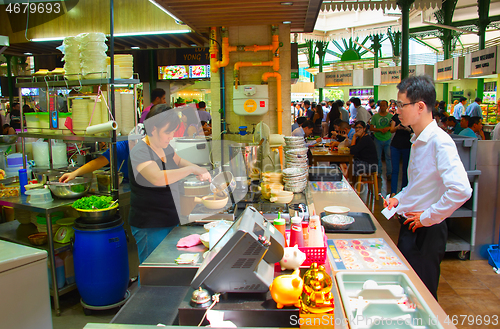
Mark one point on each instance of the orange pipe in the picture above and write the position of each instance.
(276, 75)
(214, 63)
(275, 63)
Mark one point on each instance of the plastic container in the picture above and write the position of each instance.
(280, 225)
(315, 232)
(41, 222)
(60, 276)
(23, 179)
(59, 154)
(32, 122)
(494, 255)
(44, 123)
(39, 196)
(69, 268)
(296, 234)
(15, 159)
(62, 121)
(41, 153)
(101, 262)
(305, 233)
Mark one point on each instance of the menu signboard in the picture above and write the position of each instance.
(338, 78)
(483, 62)
(392, 75)
(444, 70)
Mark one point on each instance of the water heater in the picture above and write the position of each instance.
(251, 99)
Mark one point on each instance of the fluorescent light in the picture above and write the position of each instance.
(193, 45)
(28, 54)
(135, 47)
(164, 10)
(151, 33)
(287, 22)
(287, 3)
(48, 39)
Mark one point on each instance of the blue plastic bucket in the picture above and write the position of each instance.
(101, 262)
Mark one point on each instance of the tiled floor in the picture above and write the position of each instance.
(469, 290)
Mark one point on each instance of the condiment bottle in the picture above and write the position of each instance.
(296, 235)
(23, 180)
(280, 225)
(315, 232)
(305, 233)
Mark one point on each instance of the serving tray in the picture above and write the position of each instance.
(363, 224)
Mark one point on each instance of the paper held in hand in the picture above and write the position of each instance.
(389, 213)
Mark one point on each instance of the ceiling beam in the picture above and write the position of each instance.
(467, 22)
(181, 42)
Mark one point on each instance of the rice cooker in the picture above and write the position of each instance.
(195, 150)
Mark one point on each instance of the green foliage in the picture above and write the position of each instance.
(99, 202)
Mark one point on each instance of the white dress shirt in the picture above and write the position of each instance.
(496, 133)
(437, 180)
(362, 114)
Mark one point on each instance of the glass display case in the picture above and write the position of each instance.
(364, 94)
(490, 114)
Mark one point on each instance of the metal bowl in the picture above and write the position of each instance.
(8, 139)
(297, 152)
(97, 215)
(73, 189)
(337, 221)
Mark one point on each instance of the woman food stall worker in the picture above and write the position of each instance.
(155, 169)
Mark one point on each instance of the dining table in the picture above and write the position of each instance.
(323, 154)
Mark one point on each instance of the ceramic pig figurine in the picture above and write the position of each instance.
(292, 258)
(286, 289)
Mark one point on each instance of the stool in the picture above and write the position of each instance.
(370, 179)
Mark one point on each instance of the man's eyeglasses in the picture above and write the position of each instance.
(400, 105)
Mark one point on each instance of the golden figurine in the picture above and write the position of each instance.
(316, 296)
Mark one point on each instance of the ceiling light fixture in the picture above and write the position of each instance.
(28, 54)
(164, 10)
(193, 45)
(287, 3)
(151, 33)
(135, 47)
(48, 39)
(287, 22)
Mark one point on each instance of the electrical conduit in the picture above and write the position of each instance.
(276, 75)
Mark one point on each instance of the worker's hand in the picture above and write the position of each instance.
(67, 177)
(391, 203)
(413, 218)
(201, 173)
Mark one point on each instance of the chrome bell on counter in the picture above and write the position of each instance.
(201, 298)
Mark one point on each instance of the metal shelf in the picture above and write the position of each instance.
(462, 212)
(64, 290)
(60, 81)
(18, 233)
(74, 138)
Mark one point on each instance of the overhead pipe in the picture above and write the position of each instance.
(214, 63)
(276, 75)
(274, 63)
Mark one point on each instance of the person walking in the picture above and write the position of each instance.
(400, 151)
(458, 110)
(380, 125)
(437, 183)
(474, 109)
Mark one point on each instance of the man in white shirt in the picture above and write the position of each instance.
(474, 109)
(458, 110)
(495, 134)
(306, 130)
(361, 113)
(437, 182)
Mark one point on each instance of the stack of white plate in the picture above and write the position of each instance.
(118, 109)
(80, 115)
(93, 55)
(95, 114)
(126, 63)
(72, 68)
(296, 158)
(128, 112)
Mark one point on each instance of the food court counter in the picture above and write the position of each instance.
(350, 199)
(165, 284)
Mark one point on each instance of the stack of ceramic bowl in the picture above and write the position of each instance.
(295, 179)
(71, 58)
(93, 55)
(80, 114)
(126, 63)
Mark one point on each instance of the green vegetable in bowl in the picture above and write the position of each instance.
(99, 202)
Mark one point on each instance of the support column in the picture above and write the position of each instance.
(321, 51)
(405, 5)
(376, 46)
(10, 82)
(153, 70)
(483, 8)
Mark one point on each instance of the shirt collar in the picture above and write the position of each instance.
(426, 134)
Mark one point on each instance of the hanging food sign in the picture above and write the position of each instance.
(392, 75)
(444, 70)
(483, 62)
(338, 78)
